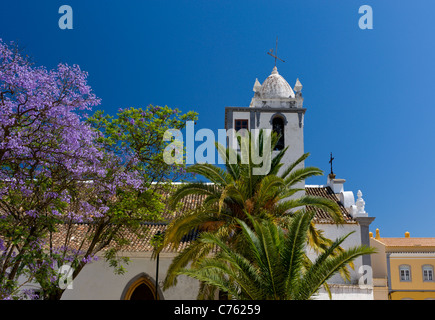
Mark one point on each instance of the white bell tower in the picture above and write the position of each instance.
(278, 107)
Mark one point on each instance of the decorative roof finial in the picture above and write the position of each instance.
(330, 161)
(357, 210)
(360, 204)
(378, 236)
(298, 86)
(257, 85)
(331, 175)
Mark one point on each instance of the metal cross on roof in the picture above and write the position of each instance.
(330, 161)
(275, 55)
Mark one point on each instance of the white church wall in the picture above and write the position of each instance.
(349, 292)
(340, 288)
(293, 136)
(98, 281)
(239, 115)
(332, 232)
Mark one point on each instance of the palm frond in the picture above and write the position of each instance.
(293, 165)
(295, 248)
(198, 188)
(330, 206)
(323, 270)
(193, 252)
(211, 172)
(302, 174)
(231, 160)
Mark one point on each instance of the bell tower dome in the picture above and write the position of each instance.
(278, 107)
(275, 87)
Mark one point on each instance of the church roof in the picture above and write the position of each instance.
(141, 240)
(275, 87)
(193, 200)
(407, 242)
(323, 216)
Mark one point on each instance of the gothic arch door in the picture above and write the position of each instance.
(141, 287)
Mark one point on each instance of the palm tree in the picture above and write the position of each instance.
(271, 265)
(233, 194)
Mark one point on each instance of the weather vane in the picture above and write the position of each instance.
(330, 161)
(275, 54)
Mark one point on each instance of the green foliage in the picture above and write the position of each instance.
(118, 199)
(116, 262)
(138, 133)
(270, 263)
(235, 194)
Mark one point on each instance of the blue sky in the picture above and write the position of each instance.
(368, 93)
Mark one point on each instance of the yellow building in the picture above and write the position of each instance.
(403, 268)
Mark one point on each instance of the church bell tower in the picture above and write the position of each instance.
(276, 106)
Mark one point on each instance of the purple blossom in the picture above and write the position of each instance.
(54, 155)
(32, 213)
(30, 294)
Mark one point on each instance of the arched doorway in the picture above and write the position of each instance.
(278, 127)
(141, 287)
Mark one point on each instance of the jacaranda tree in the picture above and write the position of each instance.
(130, 192)
(45, 152)
(57, 170)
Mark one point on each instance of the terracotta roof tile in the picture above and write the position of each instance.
(141, 243)
(408, 242)
(323, 216)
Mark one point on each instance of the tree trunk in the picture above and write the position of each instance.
(54, 295)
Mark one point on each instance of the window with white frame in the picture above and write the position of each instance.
(405, 273)
(428, 273)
